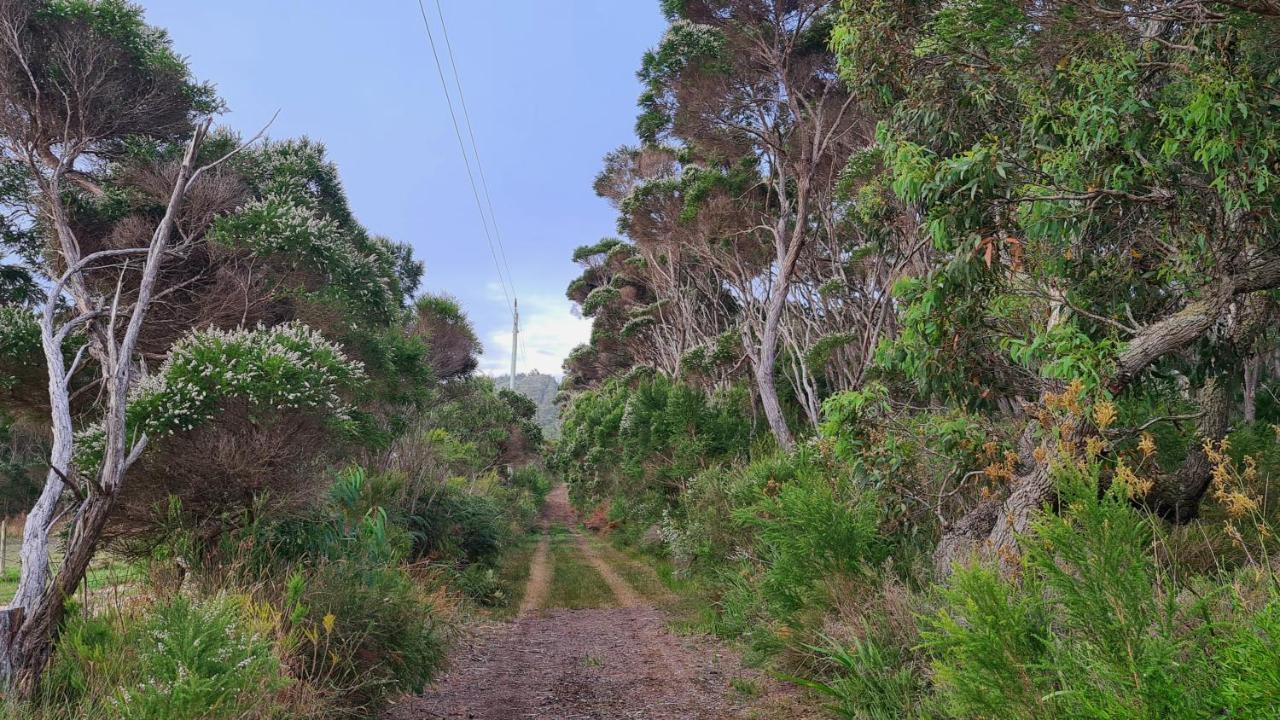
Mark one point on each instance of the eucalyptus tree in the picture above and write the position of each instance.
(743, 79)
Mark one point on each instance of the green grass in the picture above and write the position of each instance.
(574, 583)
(104, 572)
(637, 570)
(746, 687)
(513, 573)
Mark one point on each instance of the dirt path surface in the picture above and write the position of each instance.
(593, 664)
(626, 596)
(535, 593)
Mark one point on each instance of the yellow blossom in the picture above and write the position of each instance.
(1221, 474)
(1104, 414)
(1040, 454)
(1238, 504)
(1125, 478)
(1250, 469)
(1147, 445)
(1073, 393)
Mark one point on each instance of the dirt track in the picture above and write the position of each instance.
(622, 662)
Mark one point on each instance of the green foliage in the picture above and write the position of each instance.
(199, 661)
(184, 659)
(453, 524)
(611, 437)
(20, 348)
(873, 681)
(686, 44)
(809, 528)
(1090, 630)
(385, 637)
(286, 367)
(123, 23)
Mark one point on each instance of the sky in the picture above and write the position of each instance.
(551, 88)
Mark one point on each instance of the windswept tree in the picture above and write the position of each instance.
(211, 305)
(754, 82)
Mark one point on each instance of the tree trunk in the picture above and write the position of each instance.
(1252, 376)
(1033, 488)
(43, 622)
(1176, 497)
(766, 366)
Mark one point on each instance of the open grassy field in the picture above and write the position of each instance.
(106, 573)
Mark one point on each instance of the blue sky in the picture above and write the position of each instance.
(551, 88)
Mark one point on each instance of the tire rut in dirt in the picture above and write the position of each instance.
(585, 664)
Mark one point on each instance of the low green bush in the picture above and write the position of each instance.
(451, 524)
(370, 631)
(182, 659)
(1093, 626)
(809, 528)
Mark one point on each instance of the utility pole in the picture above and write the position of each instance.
(515, 339)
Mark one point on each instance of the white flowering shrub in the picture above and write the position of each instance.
(200, 661)
(19, 345)
(301, 216)
(288, 367)
(19, 334)
(281, 227)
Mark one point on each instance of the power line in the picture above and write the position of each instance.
(466, 160)
(475, 148)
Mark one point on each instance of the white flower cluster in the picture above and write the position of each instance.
(627, 425)
(286, 367)
(286, 227)
(685, 38)
(19, 333)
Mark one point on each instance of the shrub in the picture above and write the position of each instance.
(810, 528)
(1096, 628)
(875, 680)
(370, 632)
(482, 584)
(451, 523)
(184, 659)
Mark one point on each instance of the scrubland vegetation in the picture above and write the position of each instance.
(215, 380)
(938, 354)
(937, 360)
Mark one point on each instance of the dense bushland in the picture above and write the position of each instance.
(938, 351)
(212, 372)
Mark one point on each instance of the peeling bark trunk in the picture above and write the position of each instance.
(1033, 488)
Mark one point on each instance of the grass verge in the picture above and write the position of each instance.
(575, 584)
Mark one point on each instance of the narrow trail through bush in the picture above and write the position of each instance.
(597, 662)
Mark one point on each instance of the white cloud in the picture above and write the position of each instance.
(549, 330)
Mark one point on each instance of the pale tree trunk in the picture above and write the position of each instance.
(33, 619)
(766, 382)
(788, 246)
